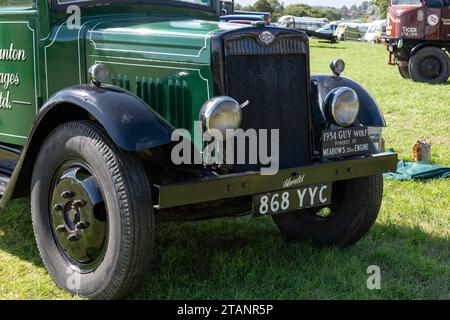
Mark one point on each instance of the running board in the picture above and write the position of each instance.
(9, 155)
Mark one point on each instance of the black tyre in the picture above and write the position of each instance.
(92, 212)
(403, 69)
(354, 209)
(430, 65)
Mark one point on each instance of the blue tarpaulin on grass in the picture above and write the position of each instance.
(418, 171)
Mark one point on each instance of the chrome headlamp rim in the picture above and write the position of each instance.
(332, 103)
(213, 105)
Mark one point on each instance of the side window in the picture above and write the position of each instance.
(435, 3)
(15, 3)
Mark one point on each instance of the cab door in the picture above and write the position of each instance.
(433, 19)
(18, 78)
(445, 29)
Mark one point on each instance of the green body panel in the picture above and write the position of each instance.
(159, 53)
(164, 61)
(18, 75)
(63, 60)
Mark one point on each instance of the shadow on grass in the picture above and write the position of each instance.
(246, 258)
(441, 84)
(16, 232)
(325, 46)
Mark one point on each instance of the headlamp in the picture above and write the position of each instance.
(343, 106)
(221, 113)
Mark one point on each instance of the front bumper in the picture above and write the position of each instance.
(250, 183)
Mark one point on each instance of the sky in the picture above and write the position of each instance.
(330, 3)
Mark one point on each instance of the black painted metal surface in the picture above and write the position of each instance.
(274, 78)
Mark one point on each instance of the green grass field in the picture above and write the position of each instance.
(246, 258)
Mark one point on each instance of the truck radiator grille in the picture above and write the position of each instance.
(249, 46)
(170, 99)
(275, 82)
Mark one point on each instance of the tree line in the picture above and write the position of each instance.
(278, 9)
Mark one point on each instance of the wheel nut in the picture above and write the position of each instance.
(78, 203)
(61, 228)
(73, 237)
(81, 225)
(58, 207)
(67, 194)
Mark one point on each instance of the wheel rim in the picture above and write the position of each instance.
(78, 215)
(327, 213)
(430, 68)
(317, 215)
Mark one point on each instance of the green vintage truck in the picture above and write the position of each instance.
(93, 93)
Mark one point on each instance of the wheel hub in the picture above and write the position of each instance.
(79, 227)
(430, 68)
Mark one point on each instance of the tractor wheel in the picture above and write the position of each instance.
(92, 212)
(430, 65)
(403, 69)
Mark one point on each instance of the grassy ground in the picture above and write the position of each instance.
(246, 258)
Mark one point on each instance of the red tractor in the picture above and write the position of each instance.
(418, 39)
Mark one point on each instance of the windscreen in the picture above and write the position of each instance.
(199, 2)
(202, 2)
(15, 3)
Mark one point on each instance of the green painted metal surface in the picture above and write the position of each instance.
(160, 53)
(249, 183)
(164, 61)
(18, 74)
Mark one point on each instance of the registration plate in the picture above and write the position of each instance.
(345, 142)
(292, 199)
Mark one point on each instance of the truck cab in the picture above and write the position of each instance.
(329, 28)
(376, 31)
(121, 114)
(420, 26)
(226, 7)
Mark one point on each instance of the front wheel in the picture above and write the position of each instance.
(353, 211)
(430, 65)
(403, 69)
(92, 212)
